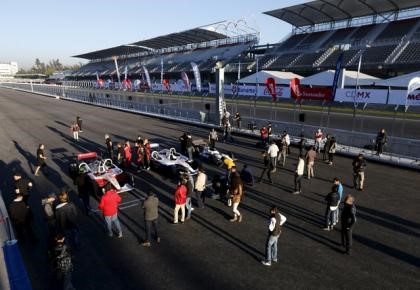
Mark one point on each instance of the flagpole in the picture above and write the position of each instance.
(256, 87)
(357, 84)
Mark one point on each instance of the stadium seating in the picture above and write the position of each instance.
(283, 61)
(308, 59)
(377, 54)
(411, 54)
(396, 30)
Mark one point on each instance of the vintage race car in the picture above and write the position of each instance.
(102, 171)
(172, 161)
(203, 151)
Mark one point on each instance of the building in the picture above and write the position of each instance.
(8, 69)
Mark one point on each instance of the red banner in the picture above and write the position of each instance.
(166, 84)
(126, 83)
(270, 83)
(302, 93)
(100, 83)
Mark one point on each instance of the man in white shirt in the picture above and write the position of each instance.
(274, 230)
(299, 174)
(273, 151)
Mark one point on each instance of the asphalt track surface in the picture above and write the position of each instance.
(209, 252)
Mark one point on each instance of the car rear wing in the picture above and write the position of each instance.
(89, 155)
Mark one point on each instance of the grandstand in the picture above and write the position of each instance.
(385, 33)
(219, 42)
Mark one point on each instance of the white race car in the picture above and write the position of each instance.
(205, 152)
(173, 161)
(101, 171)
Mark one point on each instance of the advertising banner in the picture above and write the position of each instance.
(303, 93)
(361, 96)
(196, 76)
(336, 75)
(399, 97)
(146, 73)
(270, 83)
(186, 80)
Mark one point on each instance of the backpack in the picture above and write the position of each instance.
(63, 261)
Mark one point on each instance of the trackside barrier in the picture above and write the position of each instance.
(13, 274)
(399, 151)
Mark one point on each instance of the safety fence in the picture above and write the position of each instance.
(13, 274)
(395, 148)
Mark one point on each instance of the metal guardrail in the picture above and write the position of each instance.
(399, 151)
(6, 234)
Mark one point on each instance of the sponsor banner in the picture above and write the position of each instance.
(241, 90)
(263, 91)
(336, 76)
(399, 97)
(177, 87)
(303, 93)
(186, 80)
(361, 96)
(146, 73)
(196, 76)
(270, 83)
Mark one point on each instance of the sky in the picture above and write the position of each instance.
(51, 29)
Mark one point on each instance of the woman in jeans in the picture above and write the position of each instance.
(237, 192)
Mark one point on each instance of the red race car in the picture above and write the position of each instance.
(101, 171)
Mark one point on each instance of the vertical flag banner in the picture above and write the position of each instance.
(166, 84)
(117, 69)
(294, 88)
(125, 72)
(186, 80)
(338, 66)
(270, 83)
(146, 73)
(413, 85)
(196, 76)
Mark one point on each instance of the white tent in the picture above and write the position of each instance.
(399, 81)
(281, 78)
(326, 78)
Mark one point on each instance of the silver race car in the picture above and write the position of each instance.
(172, 161)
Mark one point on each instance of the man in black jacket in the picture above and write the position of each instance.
(359, 165)
(381, 140)
(151, 214)
(266, 167)
(21, 217)
(348, 219)
(332, 200)
(66, 215)
(22, 186)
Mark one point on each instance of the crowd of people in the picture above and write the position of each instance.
(60, 213)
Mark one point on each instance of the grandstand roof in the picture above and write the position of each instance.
(281, 78)
(326, 78)
(322, 11)
(196, 35)
(399, 81)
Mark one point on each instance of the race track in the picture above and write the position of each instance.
(209, 252)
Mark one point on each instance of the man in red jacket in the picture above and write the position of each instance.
(109, 207)
(180, 200)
